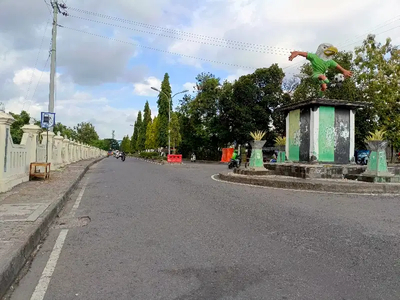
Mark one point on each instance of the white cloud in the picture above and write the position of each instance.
(144, 88)
(236, 75)
(189, 86)
(85, 60)
(287, 24)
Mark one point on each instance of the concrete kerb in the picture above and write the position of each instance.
(328, 186)
(157, 162)
(9, 272)
(150, 161)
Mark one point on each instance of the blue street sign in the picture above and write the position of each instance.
(48, 120)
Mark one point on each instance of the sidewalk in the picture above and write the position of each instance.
(26, 212)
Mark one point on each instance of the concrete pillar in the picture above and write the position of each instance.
(352, 135)
(5, 139)
(314, 133)
(50, 146)
(58, 141)
(30, 139)
(66, 158)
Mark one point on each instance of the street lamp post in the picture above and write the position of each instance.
(169, 113)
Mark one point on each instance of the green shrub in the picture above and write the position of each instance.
(149, 155)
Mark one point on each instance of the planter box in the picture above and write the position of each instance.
(256, 159)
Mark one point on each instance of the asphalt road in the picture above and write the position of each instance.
(171, 232)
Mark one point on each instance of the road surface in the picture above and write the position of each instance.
(172, 232)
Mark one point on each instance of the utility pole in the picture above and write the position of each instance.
(169, 113)
(56, 9)
(113, 134)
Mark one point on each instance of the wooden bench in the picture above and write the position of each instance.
(35, 173)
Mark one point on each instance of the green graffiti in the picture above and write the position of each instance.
(294, 135)
(326, 135)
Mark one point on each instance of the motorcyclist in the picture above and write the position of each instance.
(122, 155)
(235, 157)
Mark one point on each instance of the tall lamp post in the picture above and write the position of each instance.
(169, 113)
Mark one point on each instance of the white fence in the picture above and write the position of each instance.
(15, 159)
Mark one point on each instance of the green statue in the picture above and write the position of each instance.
(320, 62)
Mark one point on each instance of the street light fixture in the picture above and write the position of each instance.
(169, 113)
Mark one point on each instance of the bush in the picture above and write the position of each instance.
(149, 155)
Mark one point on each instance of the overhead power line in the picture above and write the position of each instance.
(272, 51)
(184, 33)
(156, 49)
(164, 51)
(390, 29)
(380, 25)
(36, 62)
(40, 79)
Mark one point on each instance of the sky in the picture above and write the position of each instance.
(110, 53)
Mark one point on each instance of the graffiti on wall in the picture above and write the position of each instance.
(294, 135)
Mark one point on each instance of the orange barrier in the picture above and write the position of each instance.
(227, 154)
(174, 158)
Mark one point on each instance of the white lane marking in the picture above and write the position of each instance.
(44, 281)
(79, 198)
(213, 177)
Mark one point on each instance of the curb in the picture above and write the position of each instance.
(10, 271)
(209, 162)
(252, 172)
(308, 185)
(157, 163)
(149, 161)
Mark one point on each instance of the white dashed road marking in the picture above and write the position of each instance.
(44, 281)
(43, 284)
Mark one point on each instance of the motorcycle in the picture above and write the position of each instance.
(122, 155)
(361, 157)
(234, 163)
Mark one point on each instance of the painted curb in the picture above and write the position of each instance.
(157, 163)
(149, 161)
(360, 188)
(9, 271)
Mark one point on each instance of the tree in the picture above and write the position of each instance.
(148, 143)
(102, 144)
(143, 129)
(134, 137)
(255, 97)
(65, 131)
(308, 88)
(86, 133)
(151, 134)
(175, 131)
(139, 124)
(125, 144)
(16, 127)
(146, 114)
(289, 85)
(164, 103)
(378, 70)
(112, 144)
(199, 119)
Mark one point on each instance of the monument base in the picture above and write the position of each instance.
(260, 171)
(327, 171)
(389, 178)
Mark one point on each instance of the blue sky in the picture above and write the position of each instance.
(107, 82)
